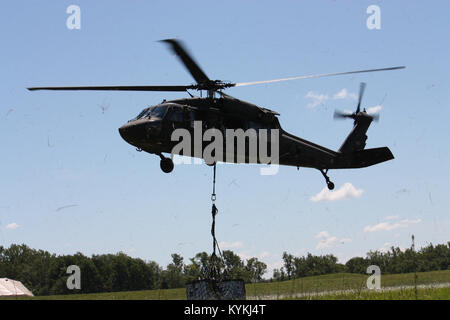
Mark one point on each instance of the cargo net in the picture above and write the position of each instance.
(210, 289)
(215, 285)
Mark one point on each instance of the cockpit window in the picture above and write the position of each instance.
(144, 113)
(159, 111)
(152, 112)
(175, 114)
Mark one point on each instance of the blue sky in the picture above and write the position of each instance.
(70, 183)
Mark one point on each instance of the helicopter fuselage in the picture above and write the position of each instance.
(151, 131)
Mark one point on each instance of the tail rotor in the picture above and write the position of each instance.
(358, 114)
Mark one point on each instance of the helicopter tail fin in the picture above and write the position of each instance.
(356, 140)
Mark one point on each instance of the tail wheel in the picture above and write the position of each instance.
(330, 184)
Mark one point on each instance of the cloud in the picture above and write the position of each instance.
(344, 94)
(12, 226)
(322, 234)
(326, 243)
(386, 247)
(271, 266)
(320, 98)
(344, 192)
(374, 109)
(230, 245)
(317, 99)
(388, 226)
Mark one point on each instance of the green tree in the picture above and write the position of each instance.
(289, 266)
(356, 265)
(173, 276)
(233, 265)
(255, 269)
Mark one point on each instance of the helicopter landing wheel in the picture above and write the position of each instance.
(330, 185)
(166, 165)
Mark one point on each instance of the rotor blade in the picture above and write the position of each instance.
(361, 93)
(341, 115)
(187, 60)
(314, 76)
(119, 88)
(376, 117)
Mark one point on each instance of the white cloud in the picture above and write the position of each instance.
(276, 264)
(388, 226)
(320, 98)
(230, 245)
(12, 226)
(374, 109)
(344, 192)
(386, 247)
(317, 99)
(344, 94)
(322, 234)
(326, 243)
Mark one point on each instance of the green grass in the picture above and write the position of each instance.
(402, 294)
(341, 281)
(163, 294)
(302, 288)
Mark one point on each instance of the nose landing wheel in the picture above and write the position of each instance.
(166, 164)
(330, 184)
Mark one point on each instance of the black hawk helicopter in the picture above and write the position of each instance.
(151, 130)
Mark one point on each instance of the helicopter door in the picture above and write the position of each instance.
(175, 116)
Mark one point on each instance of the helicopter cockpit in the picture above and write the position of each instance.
(153, 113)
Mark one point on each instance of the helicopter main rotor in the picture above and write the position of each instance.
(203, 82)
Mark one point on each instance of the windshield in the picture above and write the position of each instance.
(152, 112)
(144, 113)
(159, 111)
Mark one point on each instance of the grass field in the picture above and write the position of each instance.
(312, 286)
(401, 294)
(431, 285)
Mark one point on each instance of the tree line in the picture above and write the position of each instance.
(46, 274)
(395, 260)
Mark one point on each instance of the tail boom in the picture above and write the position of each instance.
(362, 158)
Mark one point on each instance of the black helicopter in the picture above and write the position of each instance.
(151, 130)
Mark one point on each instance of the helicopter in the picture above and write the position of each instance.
(152, 129)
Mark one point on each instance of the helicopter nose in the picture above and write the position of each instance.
(131, 132)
